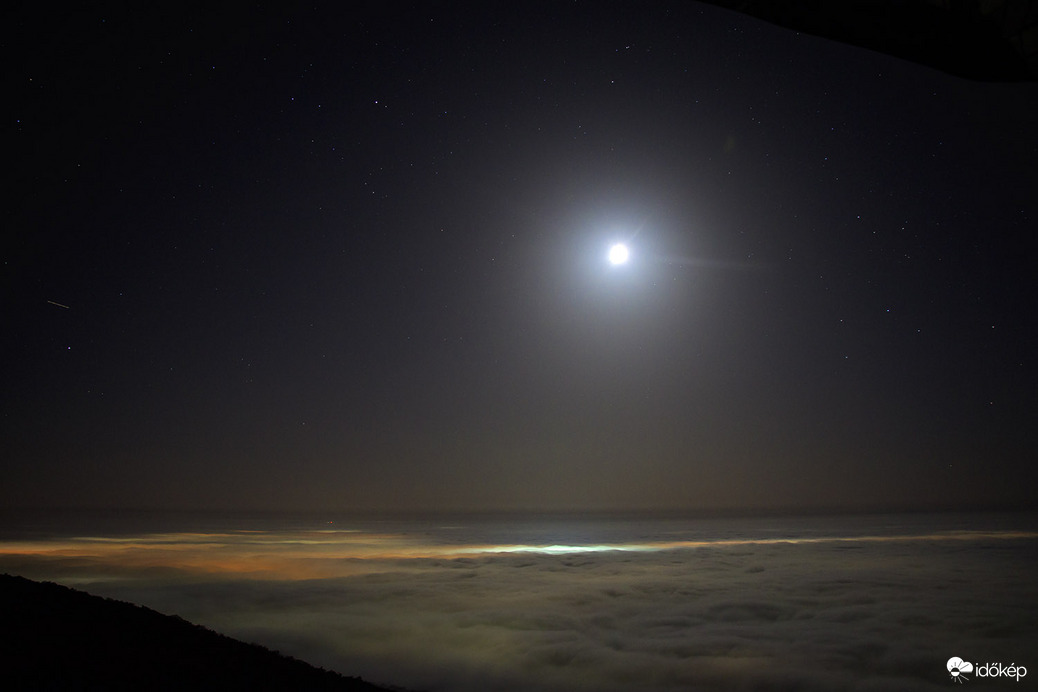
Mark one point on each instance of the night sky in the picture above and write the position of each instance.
(295, 258)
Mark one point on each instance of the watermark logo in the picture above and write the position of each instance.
(958, 669)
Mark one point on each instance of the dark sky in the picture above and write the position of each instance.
(356, 259)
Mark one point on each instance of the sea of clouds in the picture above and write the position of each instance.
(822, 613)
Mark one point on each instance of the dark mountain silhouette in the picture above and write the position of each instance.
(56, 638)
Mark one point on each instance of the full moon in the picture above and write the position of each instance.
(618, 253)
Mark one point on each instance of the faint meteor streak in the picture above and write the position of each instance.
(58, 304)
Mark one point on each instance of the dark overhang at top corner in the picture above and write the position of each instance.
(983, 40)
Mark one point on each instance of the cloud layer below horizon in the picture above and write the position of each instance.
(856, 613)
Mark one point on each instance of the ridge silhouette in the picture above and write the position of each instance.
(56, 638)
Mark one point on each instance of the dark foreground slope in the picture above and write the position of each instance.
(56, 638)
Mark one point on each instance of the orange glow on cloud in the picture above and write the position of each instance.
(324, 554)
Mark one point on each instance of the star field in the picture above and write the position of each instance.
(356, 259)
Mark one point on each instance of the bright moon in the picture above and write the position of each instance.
(618, 254)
